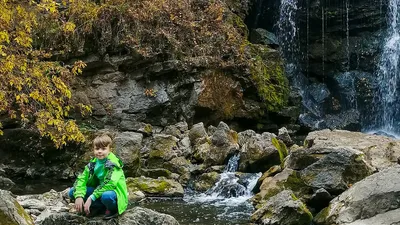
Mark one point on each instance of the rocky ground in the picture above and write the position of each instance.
(337, 177)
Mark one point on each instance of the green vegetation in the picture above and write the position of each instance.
(282, 149)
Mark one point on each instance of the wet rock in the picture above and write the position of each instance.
(11, 212)
(135, 216)
(155, 173)
(283, 209)
(161, 187)
(206, 181)
(369, 200)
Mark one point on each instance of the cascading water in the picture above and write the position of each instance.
(226, 203)
(387, 100)
(230, 193)
(289, 41)
(229, 190)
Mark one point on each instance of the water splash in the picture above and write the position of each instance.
(387, 99)
(228, 191)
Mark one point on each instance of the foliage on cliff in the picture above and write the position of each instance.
(197, 32)
(32, 89)
(33, 34)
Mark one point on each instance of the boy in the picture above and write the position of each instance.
(102, 184)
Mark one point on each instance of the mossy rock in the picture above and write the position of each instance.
(11, 212)
(155, 187)
(206, 181)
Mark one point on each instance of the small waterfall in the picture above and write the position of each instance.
(387, 100)
(230, 190)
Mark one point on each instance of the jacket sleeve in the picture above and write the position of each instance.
(111, 179)
(80, 184)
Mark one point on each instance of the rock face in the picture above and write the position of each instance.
(373, 200)
(380, 151)
(135, 216)
(11, 212)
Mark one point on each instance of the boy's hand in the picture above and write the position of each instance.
(79, 204)
(87, 205)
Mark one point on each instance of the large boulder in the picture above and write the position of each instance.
(161, 187)
(11, 212)
(374, 200)
(333, 169)
(380, 151)
(257, 153)
(128, 145)
(135, 216)
(283, 209)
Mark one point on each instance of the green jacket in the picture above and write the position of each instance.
(114, 180)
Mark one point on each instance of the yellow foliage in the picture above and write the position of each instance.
(31, 89)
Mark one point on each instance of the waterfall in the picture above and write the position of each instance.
(387, 99)
(347, 37)
(229, 191)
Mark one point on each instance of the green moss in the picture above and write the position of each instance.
(6, 220)
(271, 83)
(22, 213)
(272, 192)
(148, 128)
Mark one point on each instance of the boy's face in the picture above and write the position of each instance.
(101, 152)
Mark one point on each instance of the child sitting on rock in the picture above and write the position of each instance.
(101, 186)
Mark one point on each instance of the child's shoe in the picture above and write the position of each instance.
(109, 215)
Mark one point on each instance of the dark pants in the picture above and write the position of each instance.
(108, 199)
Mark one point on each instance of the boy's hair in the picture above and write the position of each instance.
(101, 141)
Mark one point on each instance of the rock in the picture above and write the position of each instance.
(262, 36)
(135, 216)
(284, 136)
(179, 165)
(155, 187)
(11, 212)
(178, 130)
(333, 169)
(162, 149)
(258, 153)
(215, 151)
(206, 181)
(155, 173)
(269, 173)
(244, 136)
(320, 199)
(283, 209)
(197, 132)
(6, 184)
(287, 179)
(380, 151)
(128, 145)
(369, 200)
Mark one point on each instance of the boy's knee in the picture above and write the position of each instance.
(108, 196)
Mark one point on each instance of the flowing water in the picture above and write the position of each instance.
(387, 98)
(227, 202)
